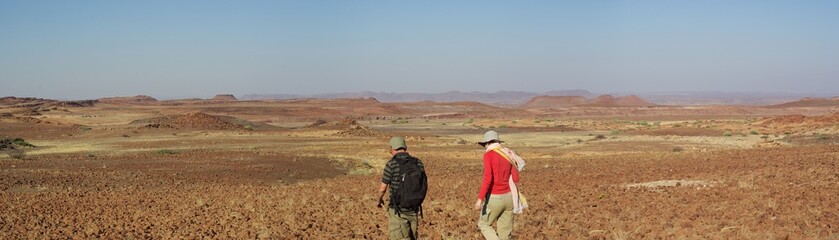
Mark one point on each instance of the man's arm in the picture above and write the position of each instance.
(382, 189)
(387, 174)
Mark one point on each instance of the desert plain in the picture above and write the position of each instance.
(602, 168)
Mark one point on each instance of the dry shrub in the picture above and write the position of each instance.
(16, 154)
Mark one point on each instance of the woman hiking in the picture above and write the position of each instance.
(499, 199)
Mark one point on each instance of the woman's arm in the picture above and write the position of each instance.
(515, 174)
(487, 181)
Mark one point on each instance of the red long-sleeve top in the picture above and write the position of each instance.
(497, 172)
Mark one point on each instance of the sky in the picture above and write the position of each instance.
(169, 49)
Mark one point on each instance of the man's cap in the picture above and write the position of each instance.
(489, 136)
(397, 143)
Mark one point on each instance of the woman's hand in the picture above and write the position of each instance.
(478, 204)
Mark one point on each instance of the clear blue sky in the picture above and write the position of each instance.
(91, 49)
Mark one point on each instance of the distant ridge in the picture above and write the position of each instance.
(498, 98)
(579, 101)
(810, 102)
(128, 100)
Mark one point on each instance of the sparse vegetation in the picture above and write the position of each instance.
(727, 134)
(599, 137)
(166, 152)
(21, 142)
(753, 132)
(16, 154)
(823, 137)
(678, 149)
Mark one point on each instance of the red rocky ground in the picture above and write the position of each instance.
(751, 194)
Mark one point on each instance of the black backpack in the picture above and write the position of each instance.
(411, 192)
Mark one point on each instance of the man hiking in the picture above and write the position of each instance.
(499, 198)
(405, 176)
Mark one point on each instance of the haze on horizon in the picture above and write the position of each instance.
(91, 49)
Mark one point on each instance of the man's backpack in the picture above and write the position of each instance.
(413, 187)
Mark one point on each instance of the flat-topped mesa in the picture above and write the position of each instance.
(579, 101)
(554, 102)
(139, 99)
(225, 97)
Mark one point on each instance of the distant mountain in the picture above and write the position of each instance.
(498, 98)
(517, 98)
(574, 92)
(546, 102)
(724, 98)
(554, 102)
(224, 97)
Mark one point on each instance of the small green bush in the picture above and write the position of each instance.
(21, 142)
(753, 132)
(678, 149)
(727, 134)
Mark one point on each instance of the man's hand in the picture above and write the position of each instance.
(381, 193)
(478, 204)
